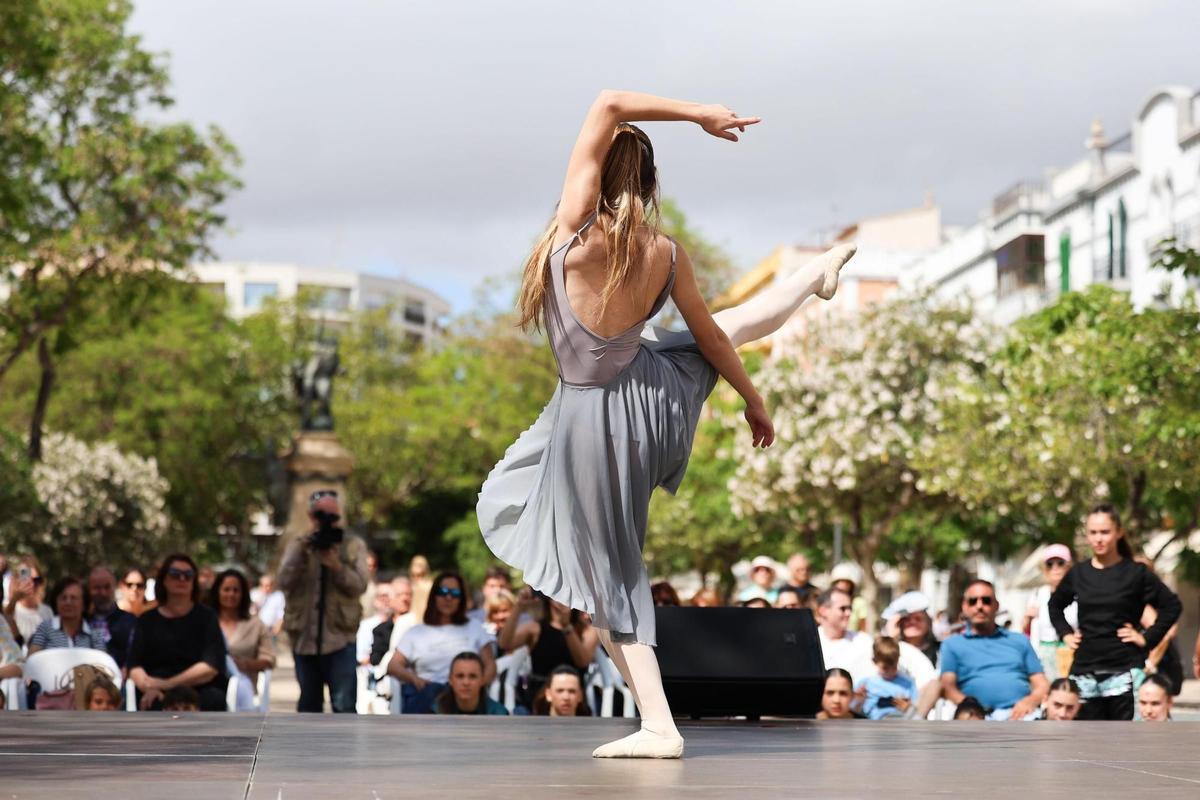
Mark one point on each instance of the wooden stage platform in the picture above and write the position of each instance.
(281, 757)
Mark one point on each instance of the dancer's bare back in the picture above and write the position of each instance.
(586, 271)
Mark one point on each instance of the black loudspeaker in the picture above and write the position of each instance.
(740, 661)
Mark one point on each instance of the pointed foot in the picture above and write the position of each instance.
(642, 744)
(835, 258)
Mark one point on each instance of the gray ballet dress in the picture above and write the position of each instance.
(567, 505)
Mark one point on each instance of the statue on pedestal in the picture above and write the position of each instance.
(313, 382)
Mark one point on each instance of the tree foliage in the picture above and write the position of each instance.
(1087, 400)
(93, 182)
(852, 407)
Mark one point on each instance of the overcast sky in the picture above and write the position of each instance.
(428, 140)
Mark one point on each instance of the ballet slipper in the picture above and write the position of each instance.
(642, 744)
(837, 258)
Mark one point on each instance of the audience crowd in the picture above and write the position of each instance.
(1096, 642)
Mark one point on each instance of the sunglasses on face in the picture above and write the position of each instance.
(181, 574)
(136, 584)
(447, 591)
(1056, 562)
(980, 601)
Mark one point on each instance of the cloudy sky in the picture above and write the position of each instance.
(428, 140)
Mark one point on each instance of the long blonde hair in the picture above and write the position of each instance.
(628, 200)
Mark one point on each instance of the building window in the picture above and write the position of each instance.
(254, 294)
(414, 312)
(1064, 262)
(1020, 264)
(325, 298)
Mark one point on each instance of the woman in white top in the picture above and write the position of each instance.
(422, 658)
(1054, 655)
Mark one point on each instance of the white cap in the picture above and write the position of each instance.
(846, 571)
(762, 561)
(907, 603)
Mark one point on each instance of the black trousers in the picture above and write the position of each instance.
(1118, 707)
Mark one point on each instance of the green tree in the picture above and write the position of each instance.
(1087, 400)
(93, 184)
(171, 377)
(851, 412)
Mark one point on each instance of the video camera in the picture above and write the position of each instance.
(328, 533)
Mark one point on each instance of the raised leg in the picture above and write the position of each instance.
(766, 312)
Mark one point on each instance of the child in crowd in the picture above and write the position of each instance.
(837, 696)
(101, 695)
(888, 694)
(181, 698)
(970, 708)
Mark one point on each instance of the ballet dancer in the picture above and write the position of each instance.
(567, 504)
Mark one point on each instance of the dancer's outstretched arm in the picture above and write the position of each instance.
(716, 347)
(582, 185)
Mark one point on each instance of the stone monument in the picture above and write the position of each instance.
(316, 459)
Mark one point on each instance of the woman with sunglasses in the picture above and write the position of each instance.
(1112, 591)
(25, 606)
(133, 593)
(1052, 652)
(179, 642)
(422, 659)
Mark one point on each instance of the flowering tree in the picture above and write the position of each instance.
(1088, 400)
(101, 505)
(851, 413)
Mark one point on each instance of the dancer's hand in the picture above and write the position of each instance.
(760, 424)
(717, 120)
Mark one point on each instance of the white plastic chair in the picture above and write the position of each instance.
(264, 691)
(14, 693)
(509, 671)
(230, 693)
(608, 679)
(52, 669)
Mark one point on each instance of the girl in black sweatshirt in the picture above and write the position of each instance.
(1112, 590)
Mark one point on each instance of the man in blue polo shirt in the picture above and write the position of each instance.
(997, 667)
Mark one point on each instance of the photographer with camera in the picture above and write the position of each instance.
(322, 576)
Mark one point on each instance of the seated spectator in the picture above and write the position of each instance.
(381, 612)
(67, 628)
(101, 695)
(247, 640)
(467, 693)
(756, 602)
(269, 603)
(1155, 699)
(996, 666)
(664, 594)
(496, 611)
(762, 586)
(562, 695)
(706, 598)
(841, 647)
(1062, 704)
(848, 576)
(837, 695)
(970, 708)
(11, 657)
(422, 657)
(387, 634)
(181, 698)
(799, 572)
(558, 636)
(26, 592)
(495, 581)
(133, 594)
(789, 598)
(114, 626)
(907, 619)
(179, 642)
(886, 693)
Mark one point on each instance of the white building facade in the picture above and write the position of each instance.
(333, 293)
(1099, 220)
